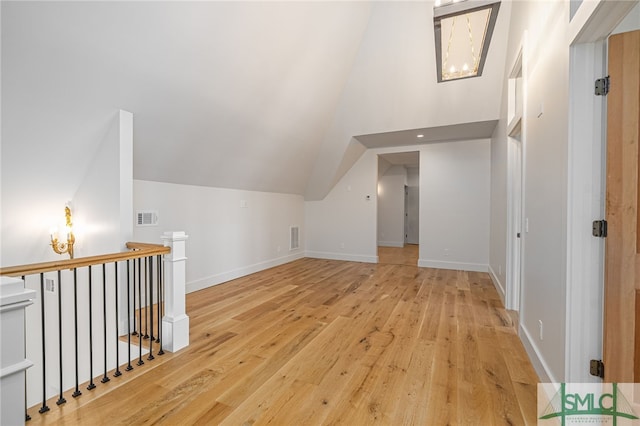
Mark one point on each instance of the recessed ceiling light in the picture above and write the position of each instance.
(421, 136)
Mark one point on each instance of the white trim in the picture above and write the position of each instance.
(17, 305)
(595, 20)
(223, 277)
(586, 177)
(15, 368)
(458, 266)
(496, 283)
(516, 163)
(538, 362)
(585, 192)
(175, 332)
(342, 256)
(390, 244)
(12, 292)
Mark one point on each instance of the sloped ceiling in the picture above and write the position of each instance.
(263, 96)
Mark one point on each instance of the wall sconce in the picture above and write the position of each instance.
(463, 30)
(64, 247)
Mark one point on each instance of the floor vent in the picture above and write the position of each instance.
(146, 218)
(295, 238)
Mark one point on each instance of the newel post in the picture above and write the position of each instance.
(14, 298)
(175, 323)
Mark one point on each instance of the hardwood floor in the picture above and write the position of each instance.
(407, 255)
(327, 342)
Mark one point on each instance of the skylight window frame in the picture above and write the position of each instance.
(457, 8)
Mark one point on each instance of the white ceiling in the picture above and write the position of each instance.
(252, 95)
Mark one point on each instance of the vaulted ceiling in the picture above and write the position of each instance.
(262, 96)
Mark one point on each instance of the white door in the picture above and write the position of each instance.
(515, 233)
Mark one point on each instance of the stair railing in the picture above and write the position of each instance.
(93, 315)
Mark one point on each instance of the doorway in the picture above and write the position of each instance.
(398, 207)
(589, 30)
(515, 231)
(515, 180)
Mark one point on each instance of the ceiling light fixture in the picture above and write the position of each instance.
(421, 136)
(463, 31)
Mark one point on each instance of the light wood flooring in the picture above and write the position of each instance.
(407, 255)
(327, 342)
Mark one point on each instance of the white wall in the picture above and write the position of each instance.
(391, 207)
(343, 225)
(413, 176)
(103, 203)
(454, 205)
(545, 152)
(102, 216)
(543, 289)
(41, 172)
(226, 240)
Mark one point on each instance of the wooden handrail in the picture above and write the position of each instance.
(138, 250)
(143, 246)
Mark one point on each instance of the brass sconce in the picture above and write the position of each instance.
(64, 247)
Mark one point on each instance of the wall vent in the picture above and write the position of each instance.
(295, 238)
(146, 218)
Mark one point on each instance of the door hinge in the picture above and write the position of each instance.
(599, 228)
(596, 368)
(602, 86)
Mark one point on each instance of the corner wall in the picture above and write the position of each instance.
(343, 225)
(40, 173)
(103, 204)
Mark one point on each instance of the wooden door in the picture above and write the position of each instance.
(622, 270)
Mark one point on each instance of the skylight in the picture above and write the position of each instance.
(463, 31)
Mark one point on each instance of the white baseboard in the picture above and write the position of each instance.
(537, 360)
(240, 272)
(342, 256)
(497, 284)
(458, 266)
(390, 244)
